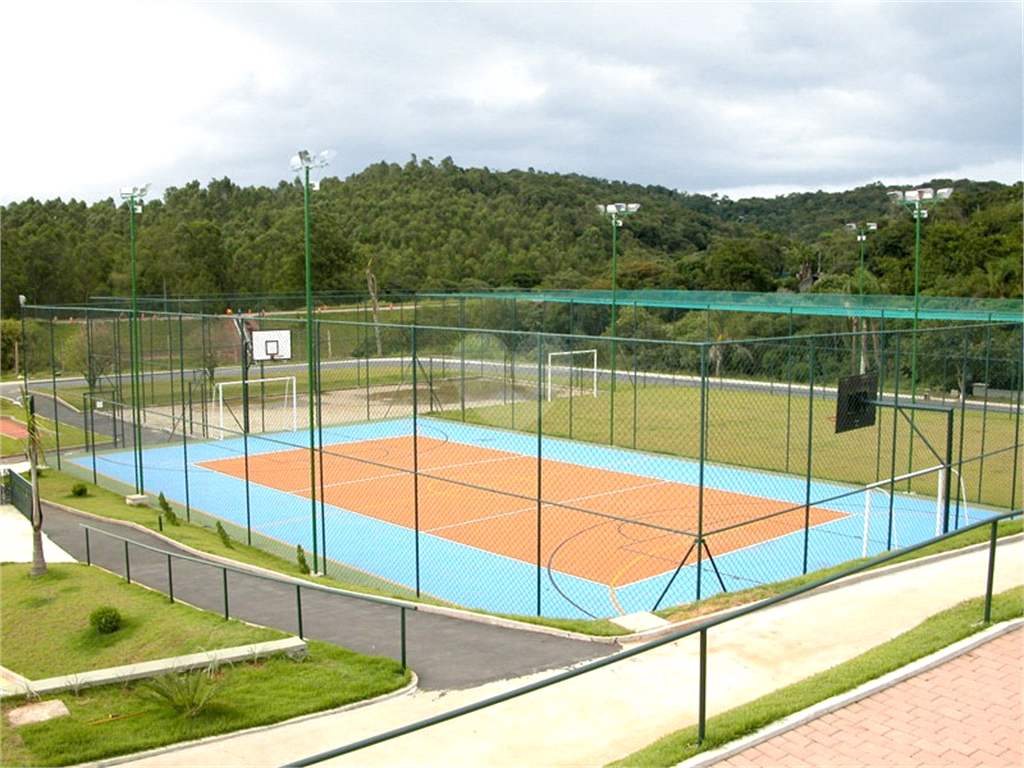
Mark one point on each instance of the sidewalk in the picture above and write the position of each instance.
(966, 711)
(611, 712)
(16, 540)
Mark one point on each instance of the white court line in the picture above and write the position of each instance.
(546, 504)
(405, 472)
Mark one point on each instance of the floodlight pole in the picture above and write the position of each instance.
(303, 161)
(616, 212)
(916, 201)
(862, 236)
(133, 195)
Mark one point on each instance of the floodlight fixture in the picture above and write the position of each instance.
(304, 162)
(945, 193)
(616, 212)
(22, 299)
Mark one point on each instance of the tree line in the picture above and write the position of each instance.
(436, 227)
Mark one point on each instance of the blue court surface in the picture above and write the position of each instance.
(479, 579)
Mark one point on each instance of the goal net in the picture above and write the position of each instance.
(572, 371)
(270, 402)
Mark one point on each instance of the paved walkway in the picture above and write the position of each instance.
(446, 652)
(965, 712)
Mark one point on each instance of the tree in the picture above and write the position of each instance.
(34, 449)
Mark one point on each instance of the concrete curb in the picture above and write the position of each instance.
(653, 634)
(407, 690)
(968, 644)
(499, 621)
(147, 669)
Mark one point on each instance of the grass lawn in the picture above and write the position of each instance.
(769, 432)
(928, 637)
(70, 437)
(57, 607)
(46, 631)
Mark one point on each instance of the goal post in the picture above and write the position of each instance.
(289, 397)
(587, 368)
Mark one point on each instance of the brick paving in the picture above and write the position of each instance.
(966, 712)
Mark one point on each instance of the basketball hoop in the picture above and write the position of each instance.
(272, 356)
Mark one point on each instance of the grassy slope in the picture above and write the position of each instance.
(252, 694)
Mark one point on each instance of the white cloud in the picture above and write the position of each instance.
(693, 96)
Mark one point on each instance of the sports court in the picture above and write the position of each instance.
(471, 516)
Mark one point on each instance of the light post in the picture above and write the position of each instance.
(133, 195)
(616, 212)
(304, 162)
(862, 237)
(917, 201)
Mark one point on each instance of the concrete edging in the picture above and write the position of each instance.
(498, 621)
(146, 669)
(968, 644)
(407, 690)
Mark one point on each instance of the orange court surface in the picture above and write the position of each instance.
(609, 527)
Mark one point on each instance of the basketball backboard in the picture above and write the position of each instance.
(271, 345)
(855, 403)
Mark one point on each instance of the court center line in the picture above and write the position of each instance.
(550, 503)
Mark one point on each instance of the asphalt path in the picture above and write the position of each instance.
(445, 651)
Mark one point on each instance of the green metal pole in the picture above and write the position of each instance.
(615, 272)
(133, 337)
(913, 361)
(309, 369)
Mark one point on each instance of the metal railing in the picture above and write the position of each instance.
(298, 584)
(701, 629)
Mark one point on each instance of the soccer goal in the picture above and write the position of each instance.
(274, 393)
(576, 367)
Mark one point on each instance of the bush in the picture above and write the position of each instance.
(166, 510)
(186, 693)
(300, 556)
(106, 620)
(80, 490)
(224, 538)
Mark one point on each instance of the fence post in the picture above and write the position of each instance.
(702, 698)
(298, 606)
(127, 564)
(224, 571)
(88, 554)
(991, 573)
(810, 444)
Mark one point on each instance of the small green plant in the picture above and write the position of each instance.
(80, 490)
(106, 620)
(224, 538)
(187, 693)
(300, 556)
(165, 508)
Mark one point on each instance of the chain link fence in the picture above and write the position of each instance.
(519, 470)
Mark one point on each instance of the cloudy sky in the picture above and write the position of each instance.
(744, 98)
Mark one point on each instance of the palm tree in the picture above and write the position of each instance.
(34, 449)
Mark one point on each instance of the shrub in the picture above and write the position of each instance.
(300, 556)
(79, 490)
(187, 693)
(106, 620)
(165, 508)
(224, 538)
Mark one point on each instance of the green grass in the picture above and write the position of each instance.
(116, 720)
(70, 437)
(45, 629)
(769, 432)
(936, 633)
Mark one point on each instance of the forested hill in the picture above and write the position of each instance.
(436, 227)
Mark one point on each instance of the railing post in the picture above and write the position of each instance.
(88, 554)
(403, 639)
(991, 573)
(127, 564)
(170, 578)
(702, 700)
(225, 572)
(298, 606)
